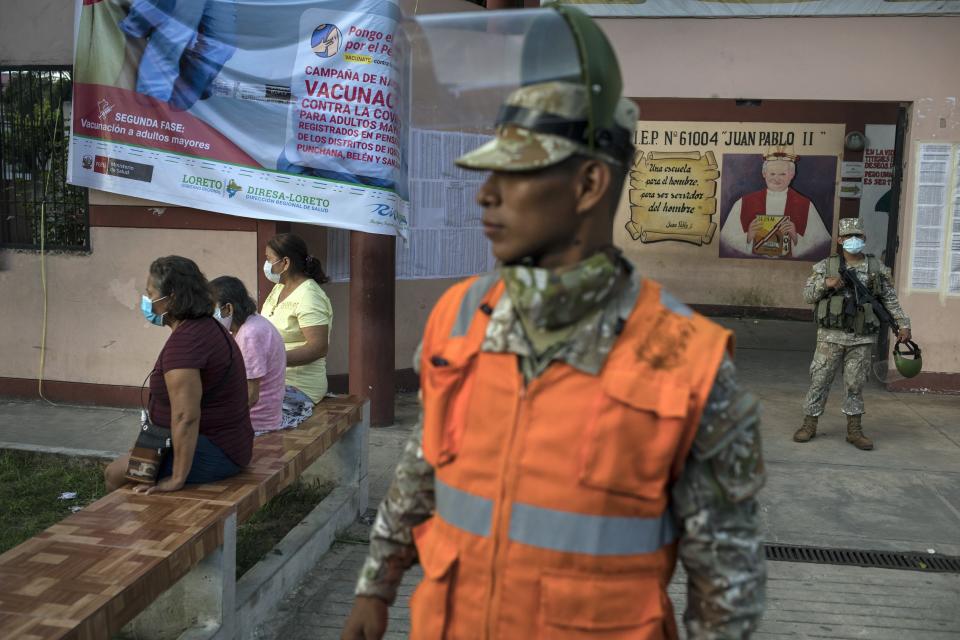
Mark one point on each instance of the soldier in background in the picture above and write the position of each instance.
(844, 339)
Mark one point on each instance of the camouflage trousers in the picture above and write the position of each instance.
(829, 357)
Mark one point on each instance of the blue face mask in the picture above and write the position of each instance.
(146, 307)
(854, 244)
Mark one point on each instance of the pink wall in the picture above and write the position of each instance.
(95, 331)
(935, 316)
(913, 60)
(902, 59)
(789, 58)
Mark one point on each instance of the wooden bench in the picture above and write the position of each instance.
(93, 572)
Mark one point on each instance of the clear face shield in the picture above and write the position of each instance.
(461, 67)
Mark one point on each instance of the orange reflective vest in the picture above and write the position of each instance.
(552, 516)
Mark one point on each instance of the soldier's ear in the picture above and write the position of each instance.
(591, 182)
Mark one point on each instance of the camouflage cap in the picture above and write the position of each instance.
(851, 226)
(515, 148)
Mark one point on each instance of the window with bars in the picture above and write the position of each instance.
(35, 198)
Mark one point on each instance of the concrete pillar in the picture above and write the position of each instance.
(347, 463)
(200, 605)
(372, 322)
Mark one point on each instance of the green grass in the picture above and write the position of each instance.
(31, 484)
(258, 535)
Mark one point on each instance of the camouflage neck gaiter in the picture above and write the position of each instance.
(547, 300)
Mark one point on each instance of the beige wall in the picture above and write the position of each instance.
(414, 300)
(36, 32)
(886, 59)
(788, 58)
(911, 60)
(696, 274)
(935, 317)
(95, 331)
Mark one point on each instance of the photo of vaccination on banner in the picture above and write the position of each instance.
(284, 111)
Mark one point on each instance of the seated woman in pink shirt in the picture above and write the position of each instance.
(264, 356)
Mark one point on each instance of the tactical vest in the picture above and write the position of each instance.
(552, 497)
(830, 308)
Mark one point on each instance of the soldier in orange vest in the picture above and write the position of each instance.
(581, 428)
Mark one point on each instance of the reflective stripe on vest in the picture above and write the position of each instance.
(558, 530)
(470, 303)
(464, 510)
(594, 535)
(670, 302)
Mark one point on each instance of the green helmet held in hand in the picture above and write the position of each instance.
(908, 362)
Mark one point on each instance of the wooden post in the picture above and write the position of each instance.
(372, 322)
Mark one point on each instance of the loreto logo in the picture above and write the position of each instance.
(202, 183)
(326, 40)
(233, 188)
(389, 211)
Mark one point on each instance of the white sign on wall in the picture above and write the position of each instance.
(877, 185)
(851, 170)
(934, 169)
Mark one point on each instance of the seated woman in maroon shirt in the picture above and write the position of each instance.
(198, 386)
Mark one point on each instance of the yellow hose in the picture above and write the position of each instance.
(43, 257)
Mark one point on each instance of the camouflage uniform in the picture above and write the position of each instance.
(574, 317)
(836, 346)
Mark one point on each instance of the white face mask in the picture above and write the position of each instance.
(268, 271)
(225, 321)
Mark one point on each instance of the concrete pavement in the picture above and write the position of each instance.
(100, 432)
(903, 496)
(803, 601)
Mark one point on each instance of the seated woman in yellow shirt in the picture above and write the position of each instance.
(300, 310)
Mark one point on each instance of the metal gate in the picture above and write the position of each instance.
(35, 105)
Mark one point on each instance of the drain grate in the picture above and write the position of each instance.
(904, 560)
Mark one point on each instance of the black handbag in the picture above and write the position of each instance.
(155, 442)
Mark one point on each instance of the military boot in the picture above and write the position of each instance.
(807, 431)
(855, 434)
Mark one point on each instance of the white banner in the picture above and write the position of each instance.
(756, 9)
(280, 111)
(446, 235)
